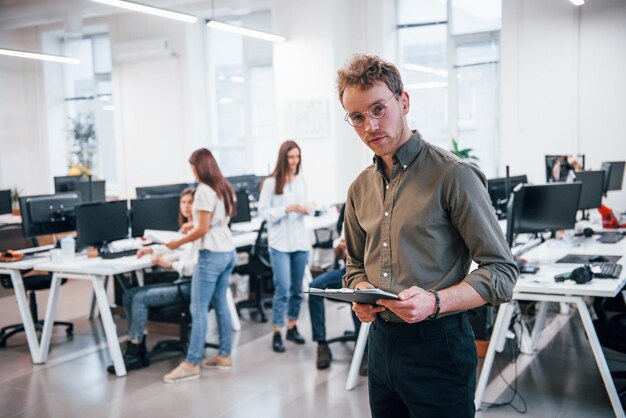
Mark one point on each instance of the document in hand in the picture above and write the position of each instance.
(368, 296)
(162, 237)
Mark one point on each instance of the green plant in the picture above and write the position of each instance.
(465, 153)
(15, 194)
(83, 142)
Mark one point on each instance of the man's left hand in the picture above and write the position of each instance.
(172, 245)
(414, 305)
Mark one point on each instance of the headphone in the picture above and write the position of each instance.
(587, 233)
(580, 275)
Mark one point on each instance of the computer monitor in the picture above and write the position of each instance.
(592, 189)
(243, 208)
(615, 175)
(162, 190)
(498, 193)
(159, 212)
(564, 166)
(5, 202)
(541, 208)
(48, 214)
(248, 183)
(88, 190)
(98, 223)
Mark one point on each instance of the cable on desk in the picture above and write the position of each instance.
(515, 350)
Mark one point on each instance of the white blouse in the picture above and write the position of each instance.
(218, 238)
(286, 232)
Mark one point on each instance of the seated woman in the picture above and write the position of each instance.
(137, 300)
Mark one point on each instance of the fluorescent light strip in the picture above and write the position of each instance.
(425, 86)
(42, 57)
(577, 2)
(136, 7)
(424, 69)
(245, 31)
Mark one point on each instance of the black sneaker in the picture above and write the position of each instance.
(135, 357)
(294, 335)
(277, 343)
(324, 356)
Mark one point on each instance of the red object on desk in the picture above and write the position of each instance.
(609, 221)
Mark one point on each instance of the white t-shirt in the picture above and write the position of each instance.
(219, 238)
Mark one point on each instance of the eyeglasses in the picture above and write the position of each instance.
(376, 111)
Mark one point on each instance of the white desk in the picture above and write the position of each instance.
(15, 270)
(542, 288)
(96, 270)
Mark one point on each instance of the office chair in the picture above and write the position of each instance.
(178, 313)
(324, 238)
(612, 335)
(259, 269)
(12, 238)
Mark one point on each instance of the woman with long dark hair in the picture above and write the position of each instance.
(213, 206)
(283, 204)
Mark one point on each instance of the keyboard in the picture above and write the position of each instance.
(118, 254)
(607, 270)
(610, 237)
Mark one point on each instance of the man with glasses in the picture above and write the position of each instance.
(414, 221)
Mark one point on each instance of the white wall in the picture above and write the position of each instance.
(563, 84)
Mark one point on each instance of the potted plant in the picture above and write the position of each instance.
(464, 154)
(15, 201)
(83, 143)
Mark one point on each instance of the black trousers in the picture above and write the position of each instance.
(426, 369)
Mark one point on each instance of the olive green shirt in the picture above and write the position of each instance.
(425, 226)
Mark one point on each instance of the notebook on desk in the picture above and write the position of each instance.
(587, 258)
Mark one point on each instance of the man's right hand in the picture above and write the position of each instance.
(366, 313)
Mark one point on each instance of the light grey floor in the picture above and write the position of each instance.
(561, 382)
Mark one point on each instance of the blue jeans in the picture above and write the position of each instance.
(137, 300)
(209, 283)
(288, 271)
(328, 280)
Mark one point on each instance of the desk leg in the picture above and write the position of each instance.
(27, 319)
(234, 316)
(94, 306)
(599, 355)
(359, 349)
(500, 328)
(540, 321)
(48, 323)
(109, 325)
(140, 278)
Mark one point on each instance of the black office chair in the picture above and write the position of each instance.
(259, 269)
(612, 335)
(12, 238)
(175, 313)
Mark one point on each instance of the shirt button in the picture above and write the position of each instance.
(405, 166)
(384, 244)
(386, 213)
(384, 274)
(387, 187)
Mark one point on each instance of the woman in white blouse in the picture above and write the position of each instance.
(283, 204)
(213, 205)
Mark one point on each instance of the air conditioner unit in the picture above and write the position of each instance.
(143, 50)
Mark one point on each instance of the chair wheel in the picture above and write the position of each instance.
(3, 343)
(69, 331)
(145, 362)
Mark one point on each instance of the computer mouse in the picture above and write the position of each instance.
(598, 259)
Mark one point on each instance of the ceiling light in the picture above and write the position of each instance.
(577, 2)
(136, 7)
(426, 86)
(37, 56)
(245, 31)
(424, 69)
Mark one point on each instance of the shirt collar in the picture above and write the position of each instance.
(406, 154)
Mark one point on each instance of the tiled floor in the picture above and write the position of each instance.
(562, 381)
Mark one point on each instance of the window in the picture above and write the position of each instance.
(89, 106)
(243, 100)
(449, 65)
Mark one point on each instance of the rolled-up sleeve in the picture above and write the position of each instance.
(468, 204)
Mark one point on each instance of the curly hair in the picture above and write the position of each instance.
(364, 70)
